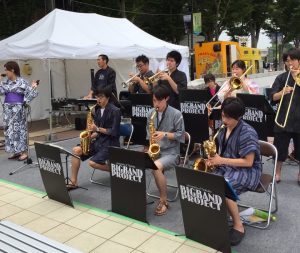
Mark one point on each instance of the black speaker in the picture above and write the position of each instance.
(217, 47)
(80, 123)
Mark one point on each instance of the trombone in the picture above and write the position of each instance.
(154, 78)
(297, 82)
(130, 81)
(235, 83)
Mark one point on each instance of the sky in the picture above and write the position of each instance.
(263, 43)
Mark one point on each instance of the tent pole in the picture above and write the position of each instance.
(50, 135)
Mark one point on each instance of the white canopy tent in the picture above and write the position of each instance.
(67, 43)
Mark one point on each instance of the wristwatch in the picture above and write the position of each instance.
(166, 135)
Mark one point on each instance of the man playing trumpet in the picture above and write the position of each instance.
(137, 83)
(174, 80)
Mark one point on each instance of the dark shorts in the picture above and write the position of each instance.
(282, 142)
(99, 157)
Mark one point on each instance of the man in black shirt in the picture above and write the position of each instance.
(105, 77)
(138, 83)
(174, 80)
(283, 135)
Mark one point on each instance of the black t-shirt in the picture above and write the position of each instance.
(180, 79)
(105, 78)
(293, 121)
(138, 88)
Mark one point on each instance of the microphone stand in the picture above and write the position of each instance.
(28, 161)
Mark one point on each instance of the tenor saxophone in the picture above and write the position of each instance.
(154, 148)
(85, 136)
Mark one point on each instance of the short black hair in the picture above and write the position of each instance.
(209, 78)
(284, 56)
(233, 108)
(13, 67)
(104, 57)
(107, 92)
(175, 55)
(142, 58)
(160, 92)
(240, 64)
(294, 53)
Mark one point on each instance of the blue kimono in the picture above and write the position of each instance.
(242, 141)
(110, 120)
(14, 118)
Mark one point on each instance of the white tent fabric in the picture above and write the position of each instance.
(70, 35)
(66, 42)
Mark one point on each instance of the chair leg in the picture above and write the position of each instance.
(97, 182)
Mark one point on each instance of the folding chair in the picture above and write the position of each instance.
(185, 162)
(126, 130)
(267, 183)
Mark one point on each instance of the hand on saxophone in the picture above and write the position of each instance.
(214, 160)
(158, 135)
(92, 127)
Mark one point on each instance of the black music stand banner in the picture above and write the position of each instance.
(204, 210)
(194, 111)
(141, 105)
(52, 173)
(256, 114)
(128, 184)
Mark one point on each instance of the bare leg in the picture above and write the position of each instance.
(75, 165)
(278, 171)
(234, 213)
(98, 166)
(160, 180)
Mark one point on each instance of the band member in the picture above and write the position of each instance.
(174, 80)
(104, 77)
(139, 85)
(17, 92)
(248, 86)
(282, 136)
(211, 88)
(169, 133)
(239, 158)
(105, 133)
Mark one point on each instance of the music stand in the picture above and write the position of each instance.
(67, 153)
(128, 182)
(256, 115)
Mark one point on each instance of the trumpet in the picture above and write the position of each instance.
(130, 81)
(297, 82)
(155, 77)
(235, 83)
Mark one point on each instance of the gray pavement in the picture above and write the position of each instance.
(281, 236)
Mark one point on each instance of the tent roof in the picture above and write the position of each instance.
(71, 35)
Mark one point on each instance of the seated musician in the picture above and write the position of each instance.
(238, 69)
(211, 88)
(239, 159)
(169, 132)
(174, 80)
(105, 133)
(139, 85)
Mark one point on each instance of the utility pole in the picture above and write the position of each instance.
(192, 42)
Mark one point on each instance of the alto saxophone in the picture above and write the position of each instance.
(154, 148)
(85, 136)
(210, 149)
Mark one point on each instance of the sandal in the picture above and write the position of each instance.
(161, 208)
(2, 144)
(71, 186)
(14, 156)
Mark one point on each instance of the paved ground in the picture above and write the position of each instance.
(15, 204)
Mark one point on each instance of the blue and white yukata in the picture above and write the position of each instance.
(241, 142)
(14, 118)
